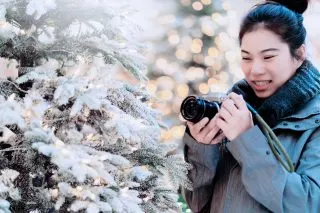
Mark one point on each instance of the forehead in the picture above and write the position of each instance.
(261, 39)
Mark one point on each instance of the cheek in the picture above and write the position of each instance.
(281, 71)
(245, 67)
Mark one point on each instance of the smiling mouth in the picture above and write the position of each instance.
(261, 85)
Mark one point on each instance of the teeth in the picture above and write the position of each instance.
(261, 83)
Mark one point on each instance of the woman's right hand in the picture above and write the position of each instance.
(206, 131)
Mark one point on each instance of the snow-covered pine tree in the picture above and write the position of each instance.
(75, 135)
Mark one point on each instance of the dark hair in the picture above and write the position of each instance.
(283, 17)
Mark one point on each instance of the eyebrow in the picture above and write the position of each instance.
(262, 51)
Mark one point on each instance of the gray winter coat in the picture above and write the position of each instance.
(248, 178)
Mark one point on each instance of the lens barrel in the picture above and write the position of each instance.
(195, 108)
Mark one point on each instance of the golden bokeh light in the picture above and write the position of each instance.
(185, 2)
(206, 2)
(178, 131)
(198, 58)
(161, 63)
(165, 82)
(181, 54)
(213, 51)
(174, 133)
(218, 18)
(182, 90)
(217, 65)
(164, 95)
(174, 39)
(194, 73)
(212, 81)
(197, 5)
(152, 86)
(204, 88)
(196, 45)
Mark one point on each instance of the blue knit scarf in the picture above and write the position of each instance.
(295, 93)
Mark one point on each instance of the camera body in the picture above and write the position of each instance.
(195, 108)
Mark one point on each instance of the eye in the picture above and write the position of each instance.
(269, 57)
(246, 58)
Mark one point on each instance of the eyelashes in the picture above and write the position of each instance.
(269, 57)
(265, 58)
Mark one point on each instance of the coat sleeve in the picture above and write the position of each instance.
(204, 159)
(269, 183)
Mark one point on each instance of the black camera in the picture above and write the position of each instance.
(195, 108)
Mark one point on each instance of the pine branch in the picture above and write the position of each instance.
(15, 85)
(13, 149)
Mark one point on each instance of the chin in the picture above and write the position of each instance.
(263, 94)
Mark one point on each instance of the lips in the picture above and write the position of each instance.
(261, 85)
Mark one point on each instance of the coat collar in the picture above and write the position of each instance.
(305, 118)
(309, 109)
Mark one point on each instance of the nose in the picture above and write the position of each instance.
(257, 67)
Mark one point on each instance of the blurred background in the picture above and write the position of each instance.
(192, 48)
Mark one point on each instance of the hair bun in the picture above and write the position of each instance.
(298, 6)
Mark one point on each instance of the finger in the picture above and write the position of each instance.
(198, 126)
(238, 100)
(211, 125)
(232, 95)
(230, 106)
(218, 139)
(213, 133)
(225, 114)
(190, 124)
(221, 124)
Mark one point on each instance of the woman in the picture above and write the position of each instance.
(284, 88)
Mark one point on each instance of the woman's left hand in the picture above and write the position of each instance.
(234, 116)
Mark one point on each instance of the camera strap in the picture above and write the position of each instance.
(277, 148)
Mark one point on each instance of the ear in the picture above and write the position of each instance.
(302, 55)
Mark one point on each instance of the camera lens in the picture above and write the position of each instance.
(191, 107)
(194, 109)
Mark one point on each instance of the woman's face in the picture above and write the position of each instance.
(266, 61)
